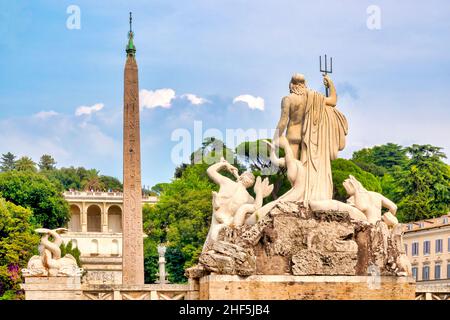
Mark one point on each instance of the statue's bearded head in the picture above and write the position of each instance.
(297, 84)
(247, 179)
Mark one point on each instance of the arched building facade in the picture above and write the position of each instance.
(95, 228)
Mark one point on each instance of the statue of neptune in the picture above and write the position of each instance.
(316, 131)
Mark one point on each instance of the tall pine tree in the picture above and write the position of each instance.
(7, 162)
(47, 163)
(425, 184)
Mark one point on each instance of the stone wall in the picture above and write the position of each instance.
(52, 288)
(218, 287)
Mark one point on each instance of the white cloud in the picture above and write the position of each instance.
(194, 99)
(158, 98)
(251, 101)
(46, 114)
(89, 110)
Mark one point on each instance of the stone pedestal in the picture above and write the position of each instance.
(52, 288)
(294, 240)
(278, 287)
(102, 270)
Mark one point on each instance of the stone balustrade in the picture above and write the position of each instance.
(100, 195)
(433, 290)
(71, 288)
(140, 292)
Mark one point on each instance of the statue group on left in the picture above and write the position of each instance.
(49, 261)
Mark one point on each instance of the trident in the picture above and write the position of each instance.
(326, 71)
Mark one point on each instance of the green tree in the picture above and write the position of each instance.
(69, 249)
(7, 162)
(380, 160)
(47, 163)
(390, 186)
(256, 156)
(92, 181)
(35, 191)
(18, 243)
(176, 258)
(179, 170)
(180, 219)
(150, 260)
(158, 188)
(25, 164)
(341, 169)
(211, 151)
(424, 184)
(67, 178)
(372, 168)
(83, 179)
(110, 183)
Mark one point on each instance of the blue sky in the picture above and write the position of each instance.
(392, 82)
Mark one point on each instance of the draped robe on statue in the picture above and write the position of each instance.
(323, 135)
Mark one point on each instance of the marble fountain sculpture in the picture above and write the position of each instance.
(304, 231)
(49, 262)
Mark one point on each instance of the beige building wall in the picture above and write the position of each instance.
(95, 228)
(427, 244)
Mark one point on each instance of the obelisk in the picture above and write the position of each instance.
(133, 248)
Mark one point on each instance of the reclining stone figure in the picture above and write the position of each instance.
(232, 203)
(361, 201)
